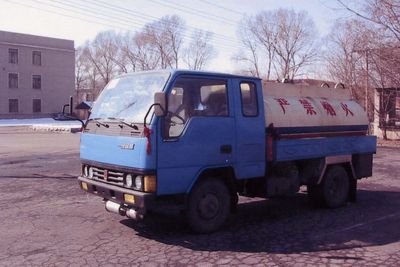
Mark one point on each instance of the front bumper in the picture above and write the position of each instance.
(142, 201)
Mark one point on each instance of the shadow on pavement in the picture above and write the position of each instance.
(287, 226)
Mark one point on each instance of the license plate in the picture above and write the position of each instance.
(84, 186)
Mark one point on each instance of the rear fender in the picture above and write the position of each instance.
(345, 160)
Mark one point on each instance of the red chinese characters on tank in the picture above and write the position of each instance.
(328, 107)
(346, 109)
(308, 107)
(282, 102)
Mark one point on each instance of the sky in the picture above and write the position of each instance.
(81, 20)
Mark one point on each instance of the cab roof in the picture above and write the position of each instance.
(175, 72)
(209, 73)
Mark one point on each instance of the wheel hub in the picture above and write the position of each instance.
(209, 206)
(334, 187)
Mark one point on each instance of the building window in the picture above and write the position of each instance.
(89, 97)
(37, 58)
(13, 56)
(13, 105)
(13, 80)
(37, 105)
(36, 81)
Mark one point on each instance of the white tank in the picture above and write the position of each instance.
(295, 109)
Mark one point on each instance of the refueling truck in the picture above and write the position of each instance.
(193, 141)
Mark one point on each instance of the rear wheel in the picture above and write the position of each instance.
(335, 187)
(333, 191)
(208, 206)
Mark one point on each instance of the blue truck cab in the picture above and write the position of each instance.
(193, 141)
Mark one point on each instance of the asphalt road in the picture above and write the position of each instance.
(46, 220)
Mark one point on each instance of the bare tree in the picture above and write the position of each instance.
(199, 51)
(265, 31)
(381, 20)
(117, 55)
(294, 46)
(86, 73)
(250, 54)
(102, 53)
(286, 37)
(80, 72)
(384, 13)
(343, 63)
(139, 52)
(166, 35)
(158, 44)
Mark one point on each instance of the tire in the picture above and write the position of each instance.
(315, 197)
(208, 206)
(335, 187)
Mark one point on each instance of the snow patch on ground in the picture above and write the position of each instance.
(39, 122)
(43, 124)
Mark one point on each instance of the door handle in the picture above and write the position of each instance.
(226, 149)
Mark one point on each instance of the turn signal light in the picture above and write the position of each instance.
(150, 183)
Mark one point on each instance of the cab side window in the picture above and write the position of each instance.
(214, 100)
(194, 97)
(249, 99)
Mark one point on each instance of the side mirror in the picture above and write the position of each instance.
(160, 104)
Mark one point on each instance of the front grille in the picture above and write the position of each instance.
(110, 176)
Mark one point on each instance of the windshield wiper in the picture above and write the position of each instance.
(124, 123)
(98, 123)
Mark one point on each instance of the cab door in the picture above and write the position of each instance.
(198, 131)
(250, 129)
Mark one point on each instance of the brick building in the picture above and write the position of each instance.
(36, 75)
(387, 112)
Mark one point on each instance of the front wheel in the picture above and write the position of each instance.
(208, 206)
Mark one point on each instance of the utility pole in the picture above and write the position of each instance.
(366, 80)
(366, 54)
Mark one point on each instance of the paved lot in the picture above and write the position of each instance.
(46, 219)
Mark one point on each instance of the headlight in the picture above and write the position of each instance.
(85, 171)
(139, 182)
(90, 172)
(128, 180)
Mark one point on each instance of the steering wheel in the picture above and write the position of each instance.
(175, 115)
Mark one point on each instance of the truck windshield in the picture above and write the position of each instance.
(129, 97)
